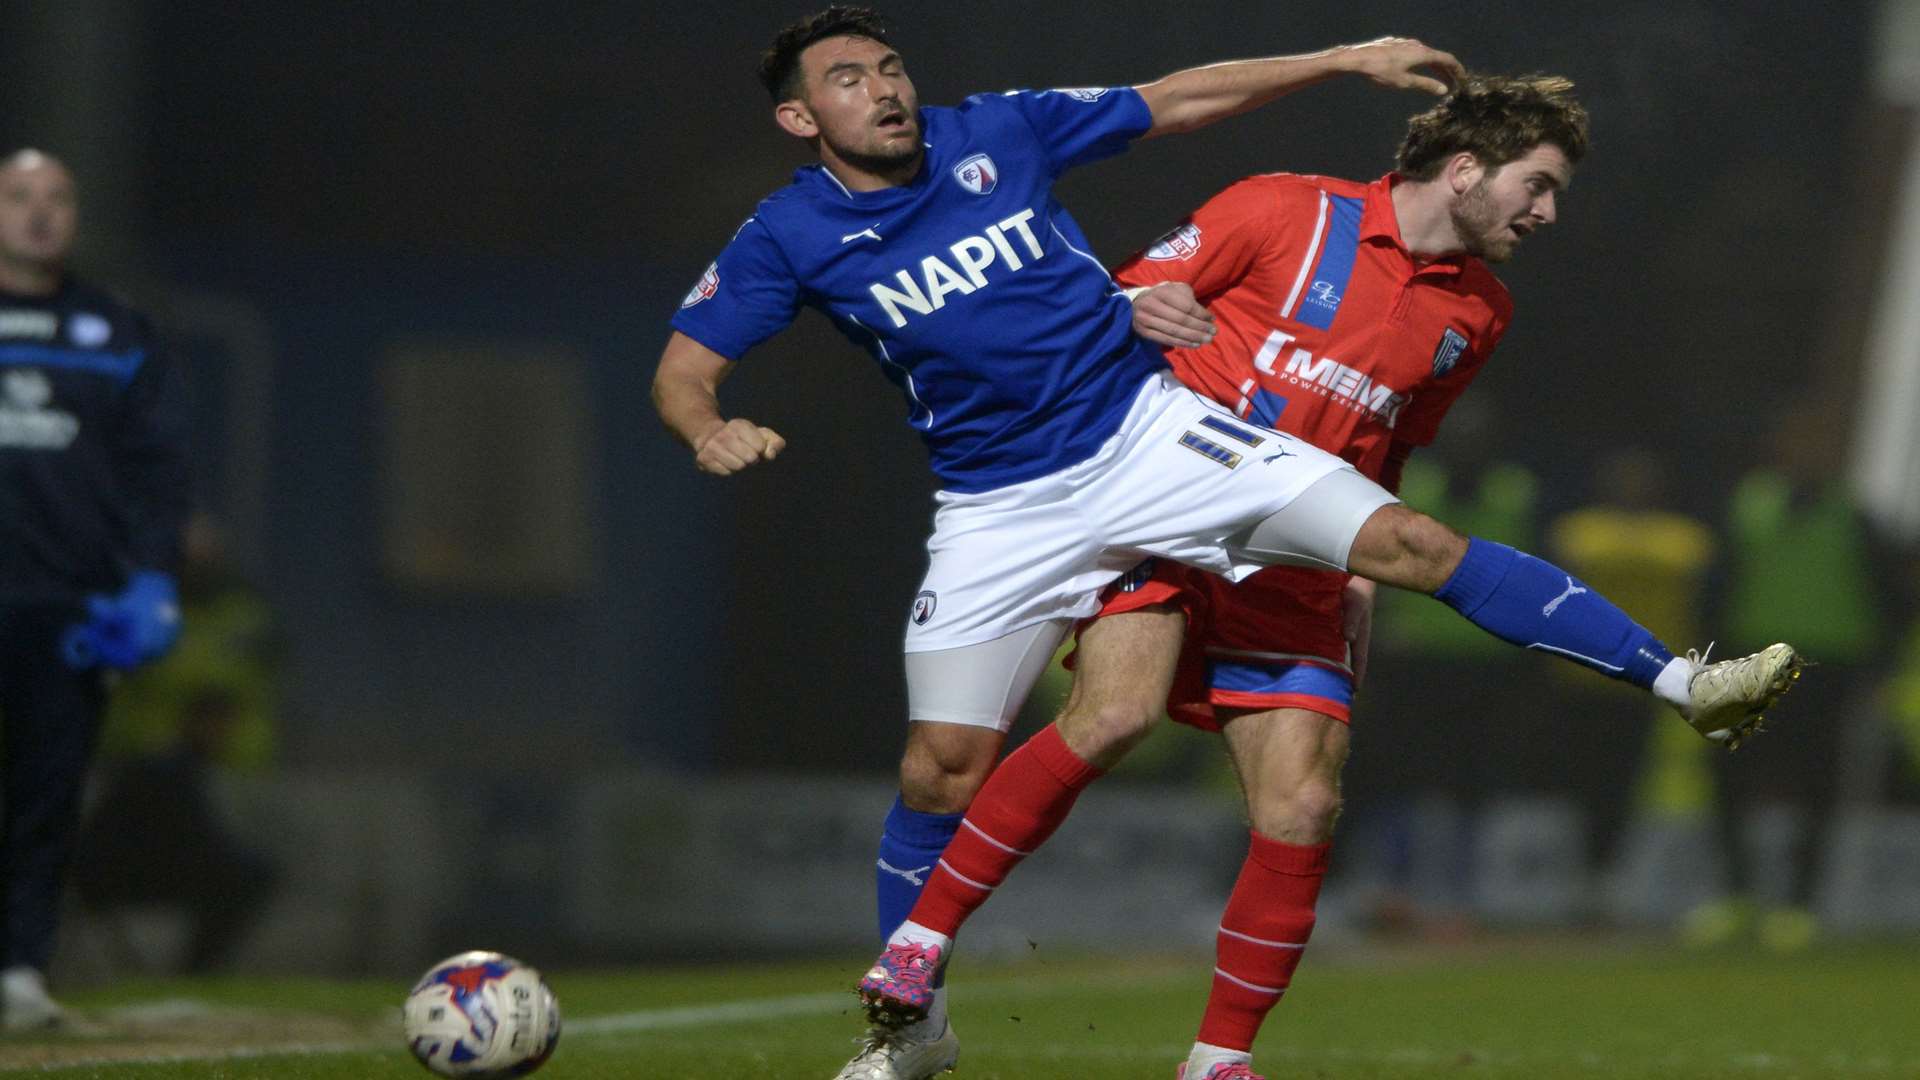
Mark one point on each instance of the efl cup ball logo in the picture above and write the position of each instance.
(923, 606)
(1182, 243)
(977, 174)
(704, 289)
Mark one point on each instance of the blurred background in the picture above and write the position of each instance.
(494, 666)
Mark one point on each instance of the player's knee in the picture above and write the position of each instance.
(1407, 549)
(1302, 814)
(1101, 733)
(941, 774)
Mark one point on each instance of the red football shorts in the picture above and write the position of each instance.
(1273, 641)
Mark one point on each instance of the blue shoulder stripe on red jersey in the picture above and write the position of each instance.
(1335, 268)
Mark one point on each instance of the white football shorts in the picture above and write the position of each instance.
(1182, 478)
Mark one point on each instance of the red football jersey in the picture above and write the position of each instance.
(1328, 327)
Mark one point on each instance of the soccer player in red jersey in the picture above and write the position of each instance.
(1351, 316)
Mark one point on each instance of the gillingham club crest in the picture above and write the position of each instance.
(977, 174)
(1447, 354)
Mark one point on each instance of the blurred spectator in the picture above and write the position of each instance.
(1438, 691)
(1801, 561)
(157, 836)
(1900, 702)
(93, 487)
(1632, 544)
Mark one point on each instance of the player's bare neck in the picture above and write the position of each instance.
(1420, 209)
(29, 279)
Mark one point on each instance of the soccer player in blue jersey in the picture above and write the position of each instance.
(1067, 453)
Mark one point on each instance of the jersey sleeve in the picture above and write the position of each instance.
(1420, 423)
(746, 296)
(1215, 247)
(1076, 127)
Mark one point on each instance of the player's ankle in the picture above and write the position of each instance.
(1671, 685)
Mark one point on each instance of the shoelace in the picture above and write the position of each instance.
(1236, 1071)
(912, 962)
(1699, 659)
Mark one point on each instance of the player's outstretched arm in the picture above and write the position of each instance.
(1196, 97)
(684, 392)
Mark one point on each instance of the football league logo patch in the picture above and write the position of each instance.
(977, 174)
(1182, 243)
(703, 289)
(923, 606)
(1085, 93)
(1451, 347)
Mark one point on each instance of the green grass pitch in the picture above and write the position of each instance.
(1533, 1010)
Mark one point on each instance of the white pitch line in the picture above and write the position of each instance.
(618, 1023)
(696, 1015)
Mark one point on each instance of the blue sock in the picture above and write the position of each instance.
(1536, 605)
(909, 846)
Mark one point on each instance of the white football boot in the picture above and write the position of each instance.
(894, 1054)
(25, 1004)
(1728, 699)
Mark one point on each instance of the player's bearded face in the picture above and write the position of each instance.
(864, 103)
(1508, 203)
(1485, 232)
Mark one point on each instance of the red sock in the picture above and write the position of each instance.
(1262, 934)
(1026, 798)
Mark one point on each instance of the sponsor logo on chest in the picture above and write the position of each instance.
(26, 421)
(1330, 378)
(1005, 247)
(37, 325)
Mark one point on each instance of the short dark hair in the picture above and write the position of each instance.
(780, 64)
(1496, 118)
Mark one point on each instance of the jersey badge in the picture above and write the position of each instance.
(704, 289)
(1085, 93)
(923, 606)
(89, 331)
(1182, 243)
(1448, 353)
(977, 174)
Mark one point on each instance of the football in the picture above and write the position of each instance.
(482, 1015)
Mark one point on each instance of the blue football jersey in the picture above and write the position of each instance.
(971, 286)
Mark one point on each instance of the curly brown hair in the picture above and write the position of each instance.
(780, 64)
(1496, 118)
